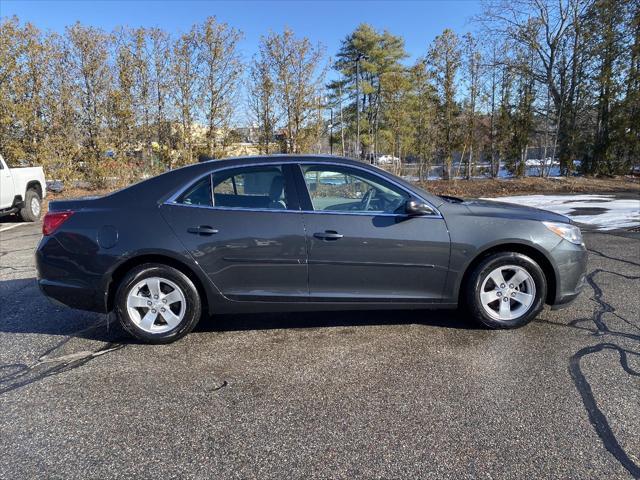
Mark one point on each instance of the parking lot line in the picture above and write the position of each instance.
(11, 226)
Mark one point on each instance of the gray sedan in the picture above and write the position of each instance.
(292, 233)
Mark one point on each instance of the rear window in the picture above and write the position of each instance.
(251, 187)
(198, 194)
(262, 187)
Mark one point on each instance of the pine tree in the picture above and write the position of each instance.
(606, 18)
(423, 115)
(365, 56)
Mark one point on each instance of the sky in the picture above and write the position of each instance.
(327, 22)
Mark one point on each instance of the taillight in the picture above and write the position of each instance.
(53, 220)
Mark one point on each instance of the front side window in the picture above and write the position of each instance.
(261, 187)
(344, 189)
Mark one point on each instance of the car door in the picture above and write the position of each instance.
(7, 193)
(243, 226)
(362, 246)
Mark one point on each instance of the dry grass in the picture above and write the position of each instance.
(532, 185)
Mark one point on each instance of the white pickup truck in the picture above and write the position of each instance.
(21, 191)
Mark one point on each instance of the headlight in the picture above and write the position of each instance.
(569, 232)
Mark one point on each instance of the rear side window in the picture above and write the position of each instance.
(198, 194)
(261, 187)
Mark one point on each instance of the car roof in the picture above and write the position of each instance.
(176, 179)
(278, 158)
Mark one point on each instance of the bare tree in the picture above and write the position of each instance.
(296, 68)
(160, 58)
(472, 73)
(88, 61)
(121, 114)
(219, 58)
(444, 61)
(185, 71)
(261, 101)
(551, 30)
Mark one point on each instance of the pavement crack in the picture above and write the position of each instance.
(18, 268)
(47, 365)
(597, 418)
(65, 363)
(604, 255)
(2, 254)
(604, 306)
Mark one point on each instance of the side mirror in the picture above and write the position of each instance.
(417, 207)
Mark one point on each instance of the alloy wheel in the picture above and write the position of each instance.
(156, 305)
(508, 292)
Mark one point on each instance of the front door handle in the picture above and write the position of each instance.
(202, 230)
(328, 235)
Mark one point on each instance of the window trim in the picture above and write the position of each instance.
(296, 172)
(382, 180)
(288, 179)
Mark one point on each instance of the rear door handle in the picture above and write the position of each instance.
(328, 235)
(202, 230)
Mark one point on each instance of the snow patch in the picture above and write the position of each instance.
(604, 212)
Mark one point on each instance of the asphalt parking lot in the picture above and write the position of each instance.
(323, 395)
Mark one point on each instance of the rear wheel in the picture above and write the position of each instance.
(30, 212)
(157, 303)
(506, 290)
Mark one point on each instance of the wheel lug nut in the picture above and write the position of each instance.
(505, 299)
(502, 285)
(164, 300)
(149, 303)
(153, 310)
(499, 294)
(155, 296)
(163, 309)
(513, 294)
(511, 285)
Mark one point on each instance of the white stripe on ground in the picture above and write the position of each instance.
(12, 226)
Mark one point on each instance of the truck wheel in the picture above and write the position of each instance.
(32, 208)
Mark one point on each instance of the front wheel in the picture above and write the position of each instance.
(506, 290)
(157, 304)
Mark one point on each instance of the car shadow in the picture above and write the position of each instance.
(43, 318)
(335, 318)
(12, 218)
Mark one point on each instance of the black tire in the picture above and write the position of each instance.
(472, 290)
(193, 307)
(27, 212)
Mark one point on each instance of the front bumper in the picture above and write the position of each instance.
(570, 264)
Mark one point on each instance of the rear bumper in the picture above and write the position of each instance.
(67, 279)
(74, 296)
